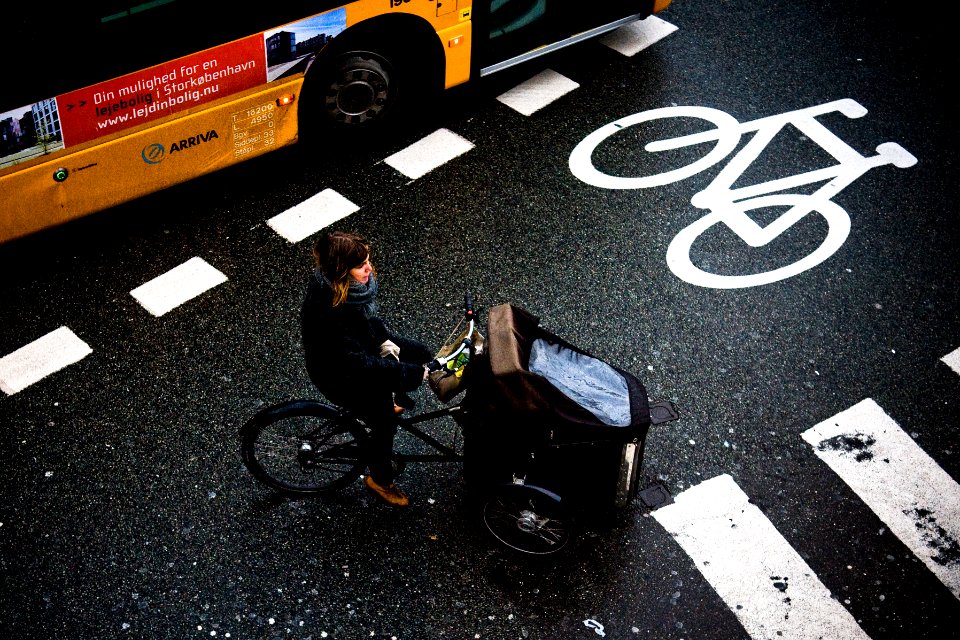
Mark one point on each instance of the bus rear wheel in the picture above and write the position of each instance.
(360, 89)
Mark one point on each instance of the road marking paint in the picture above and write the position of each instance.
(764, 581)
(637, 36)
(952, 360)
(907, 490)
(729, 205)
(35, 361)
(311, 215)
(428, 153)
(185, 282)
(537, 92)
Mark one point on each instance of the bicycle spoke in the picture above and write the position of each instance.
(304, 450)
(534, 525)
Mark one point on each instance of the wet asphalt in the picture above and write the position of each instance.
(127, 511)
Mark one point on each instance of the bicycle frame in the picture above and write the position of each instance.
(444, 453)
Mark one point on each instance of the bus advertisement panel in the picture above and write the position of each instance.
(143, 96)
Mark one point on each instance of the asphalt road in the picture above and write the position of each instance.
(127, 511)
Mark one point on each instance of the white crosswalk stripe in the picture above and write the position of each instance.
(952, 360)
(761, 578)
(907, 490)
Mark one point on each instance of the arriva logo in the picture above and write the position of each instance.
(153, 153)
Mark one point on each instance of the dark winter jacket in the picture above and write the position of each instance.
(342, 350)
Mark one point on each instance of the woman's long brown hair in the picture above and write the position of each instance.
(335, 254)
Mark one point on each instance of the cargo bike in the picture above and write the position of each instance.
(550, 432)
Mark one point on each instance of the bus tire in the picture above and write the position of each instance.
(359, 89)
(353, 96)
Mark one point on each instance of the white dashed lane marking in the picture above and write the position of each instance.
(311, 215)
(637, 36)
(907, 490)
(428, 153)
(764, 581)
(40, 358)
(180, 284)
(537, 92)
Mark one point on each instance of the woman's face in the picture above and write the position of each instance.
(362, 273)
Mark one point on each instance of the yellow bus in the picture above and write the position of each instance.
(108, 100)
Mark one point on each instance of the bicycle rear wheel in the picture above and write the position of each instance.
(301, 447)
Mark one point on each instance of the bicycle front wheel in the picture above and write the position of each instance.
(528, 519)
(301, 448)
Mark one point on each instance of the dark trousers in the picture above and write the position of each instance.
(375, 408)
(383, 428)
(382, 420)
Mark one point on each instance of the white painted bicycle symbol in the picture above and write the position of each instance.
(730, 206)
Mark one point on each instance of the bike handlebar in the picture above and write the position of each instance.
(468, 313)
(468, 305)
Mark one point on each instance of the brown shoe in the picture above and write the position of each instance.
(390, 494)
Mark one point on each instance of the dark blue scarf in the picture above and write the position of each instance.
(359, 294)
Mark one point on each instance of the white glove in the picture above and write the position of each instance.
(389, 349)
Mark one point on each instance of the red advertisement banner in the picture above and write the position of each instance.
(153, 93)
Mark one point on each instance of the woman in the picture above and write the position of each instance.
(351, 356)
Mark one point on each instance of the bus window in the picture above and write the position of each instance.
(507, 16)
